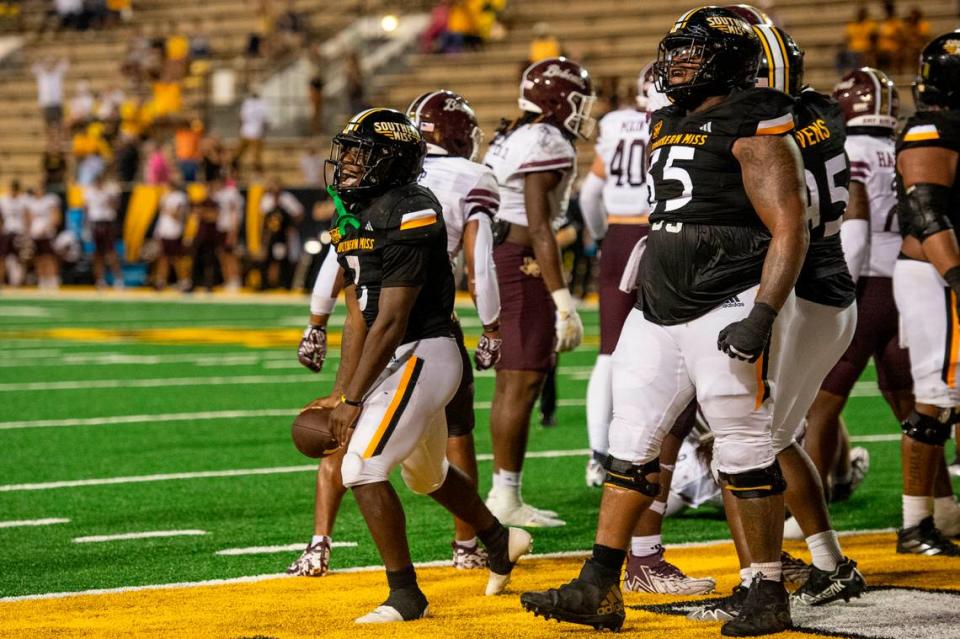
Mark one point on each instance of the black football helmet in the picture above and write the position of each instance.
(938, 82)
(781, 60)
(717, 45)
(378, 149)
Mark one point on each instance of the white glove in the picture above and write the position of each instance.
(569, 326)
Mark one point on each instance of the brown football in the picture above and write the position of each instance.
(311, 432)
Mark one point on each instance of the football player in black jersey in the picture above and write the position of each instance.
(820, 329)
(926, 286)
(727, 242)
(399, 363)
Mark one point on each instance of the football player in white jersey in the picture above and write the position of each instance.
(173, 209)
(44, 214)
(13, 214)
(469, 195)
(614, 199)
(534, 161)
(230, 213)
(871, 241)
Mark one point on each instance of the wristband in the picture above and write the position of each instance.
(952, 277)
(350, 402)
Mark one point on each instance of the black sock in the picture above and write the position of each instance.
(496, 539)
(609, 559)
(405, 595)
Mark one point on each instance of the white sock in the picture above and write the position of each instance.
(505, 479)
(944, 505)
(645, 546)
(599, 404)
(746, 576)
(316, 539)
(915, 510)
(469, 543)
(772, 571)
(825, 549)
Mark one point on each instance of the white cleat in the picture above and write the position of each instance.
(519, 544)
(511, 511)
(386, 614)
(791, 529)
(596, 474)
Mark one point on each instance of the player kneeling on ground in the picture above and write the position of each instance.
(399, 364)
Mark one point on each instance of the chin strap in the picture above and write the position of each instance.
(344, 218)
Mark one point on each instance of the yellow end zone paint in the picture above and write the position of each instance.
(304, 607)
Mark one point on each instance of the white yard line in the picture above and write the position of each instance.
(148, 419)
(425, 564)
(268, 550)
(34, 522)
(146, 534)
(243, 472)
(163, 382)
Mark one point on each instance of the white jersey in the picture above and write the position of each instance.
(873, 163)
(173, 209)
(230, 204)
(99, 203)
(465, 189)
(43, 216)
(13, 209)
(624, 136)
(531, 148)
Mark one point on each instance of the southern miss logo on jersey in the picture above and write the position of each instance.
(732, 26)
(696, 139)
(356, 244)
(814, 133)
(399, 131)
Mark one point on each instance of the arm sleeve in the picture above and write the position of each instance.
(854, 237)
(324, 296)
(485, 273)
(591, 205)
(860, 167)
(404, 264)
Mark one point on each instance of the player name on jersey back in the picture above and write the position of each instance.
(873, 164)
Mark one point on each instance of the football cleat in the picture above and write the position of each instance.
(520, 543)
(925, 539)
(844, 582)
(766, 610)
(314, 562)
(510, 510)
(723, 609)
(468, 557)
(596, 474)
(795, 571)
(859, 467)
(655, 574)
(592, 599)
(388, 614)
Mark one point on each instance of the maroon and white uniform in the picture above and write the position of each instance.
(13, 212)
(527, 309)
(101, 208)
(873, 164)
(173, 209)
(44, 212)
(230, 204)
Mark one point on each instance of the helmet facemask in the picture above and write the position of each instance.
(677, 57)
(356, 168)
(579, 121)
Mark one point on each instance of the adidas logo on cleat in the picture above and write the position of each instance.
(612, 603)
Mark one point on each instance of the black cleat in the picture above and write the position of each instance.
(845, 582)
(765, 611)
(925, 539)
(723, 609)
(795, 570)
(592, 599)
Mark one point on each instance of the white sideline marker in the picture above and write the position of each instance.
(162, 382)
(34, 522)
(147, 534)
(267, 550)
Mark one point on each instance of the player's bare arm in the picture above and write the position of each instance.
(928, 174)
(351, 345)
(773, 179)
(536, 193)
(373, 354)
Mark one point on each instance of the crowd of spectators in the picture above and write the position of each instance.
(458, 25)
(891, 43)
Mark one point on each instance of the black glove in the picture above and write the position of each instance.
(746, 339)
(313, 348)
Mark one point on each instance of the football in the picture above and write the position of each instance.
(311, 432)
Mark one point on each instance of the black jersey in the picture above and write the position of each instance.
(939, 129)
(401, 241)
(706, 242)
(821, 136)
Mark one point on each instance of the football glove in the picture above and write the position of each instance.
(746, 339)
(313, 348)
(488, 351)
(568, 325)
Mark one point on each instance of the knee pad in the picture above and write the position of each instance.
(631, 476)
(929, 430)
(754, 484)
(351, 470)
